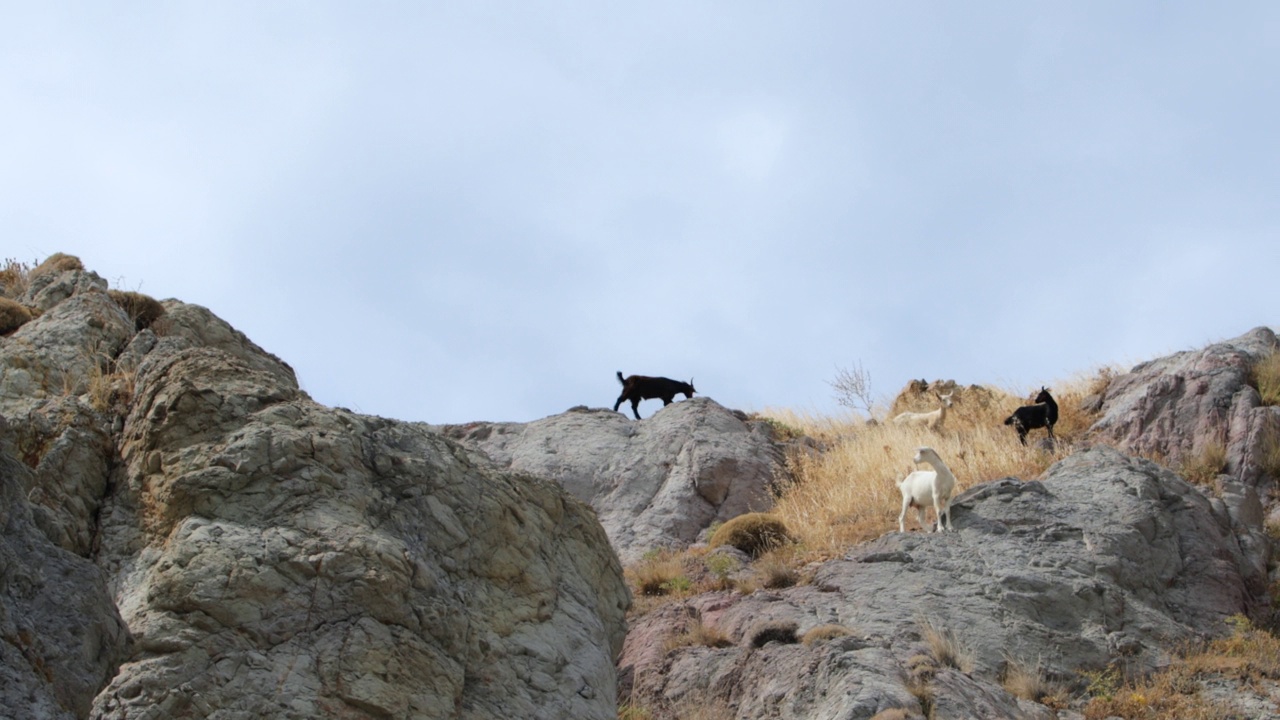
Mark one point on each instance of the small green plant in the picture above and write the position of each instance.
(721, 567)
(677, 585)
(656, 573)
(1102, 684)
(628, 711)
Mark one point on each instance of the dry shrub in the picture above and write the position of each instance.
(752, 533)
(1270, 458)
(56, 263)
(780, 631)
(946, 648)
(822, 633)
(1248, 654)
(1266, 378)
(1203, 467)
(14, 278)
(13, 315)
(656, 574)
(700, 635)
(848, 493)
(142, 309)
(1029, 683)
(775, 572)
(1167, 696)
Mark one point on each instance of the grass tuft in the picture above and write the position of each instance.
(1203, 468)
(946, 648)
(822, 633)
(699, 635)
(752, 533)
(1266, 378)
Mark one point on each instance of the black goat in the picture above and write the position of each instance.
(1044, 414)
(641, 387)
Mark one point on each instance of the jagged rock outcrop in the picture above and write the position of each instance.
(1107, 557)
(1176, 406)
(271, 557)
(655, 483)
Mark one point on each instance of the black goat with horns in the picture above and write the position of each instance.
(642, 387)
(1044, 414)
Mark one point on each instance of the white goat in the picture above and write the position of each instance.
(928, 488)
(932, 420)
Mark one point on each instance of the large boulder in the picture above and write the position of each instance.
(655, 483)
(1108, 557)
(1176, 407)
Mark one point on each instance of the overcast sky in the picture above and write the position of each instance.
(456, 211)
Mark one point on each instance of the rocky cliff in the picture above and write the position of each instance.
(184, 533)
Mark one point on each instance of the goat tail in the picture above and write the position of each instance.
(624, 382)
(1009, 420)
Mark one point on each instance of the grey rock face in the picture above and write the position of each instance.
(1176, 406)
(61, 637)
(279, 559)
(1108, 557)
(272, 557)
(655, 483)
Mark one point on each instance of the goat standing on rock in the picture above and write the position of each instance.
(1044, 414)
(642, 387)
(928, 488)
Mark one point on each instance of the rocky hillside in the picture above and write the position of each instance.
(184, 533)
(1107, 563)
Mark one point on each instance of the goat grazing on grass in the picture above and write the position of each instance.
(641, 387)
(932, 420)
(1044, 414)
(928, 488)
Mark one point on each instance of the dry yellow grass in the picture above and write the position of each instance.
(1247, 656)
(14, 278)
(56, 263)
(1266, 377)
(13, 315)
(848, 493)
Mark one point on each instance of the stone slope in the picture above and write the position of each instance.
(1107, 557)
(656, 482)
